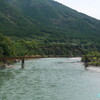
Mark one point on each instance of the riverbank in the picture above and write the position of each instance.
(92, 58)
(93, 68)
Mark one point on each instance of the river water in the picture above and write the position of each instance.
(50, 79)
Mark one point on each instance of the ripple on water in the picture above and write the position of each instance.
(49, 79)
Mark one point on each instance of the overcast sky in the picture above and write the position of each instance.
(89, 7)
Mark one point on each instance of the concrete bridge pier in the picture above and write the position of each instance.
(23, 63)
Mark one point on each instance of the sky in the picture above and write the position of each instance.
(89, 7)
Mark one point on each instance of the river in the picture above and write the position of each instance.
(50, 79)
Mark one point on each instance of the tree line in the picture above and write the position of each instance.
(16, 48)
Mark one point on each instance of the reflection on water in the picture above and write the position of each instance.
(49, 79)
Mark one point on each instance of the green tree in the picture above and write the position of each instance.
(6, 47)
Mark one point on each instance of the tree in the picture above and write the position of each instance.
(6, 47)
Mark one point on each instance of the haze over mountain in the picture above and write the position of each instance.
(45, 20)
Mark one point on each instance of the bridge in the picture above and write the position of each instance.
(22, 59)
(4, 59)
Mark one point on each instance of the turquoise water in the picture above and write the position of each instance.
(50, 79)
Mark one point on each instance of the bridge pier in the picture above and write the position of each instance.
(86, 65)
(5, 63)
(86, 62)
(23, 63)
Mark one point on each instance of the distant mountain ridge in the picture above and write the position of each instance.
(45, 20)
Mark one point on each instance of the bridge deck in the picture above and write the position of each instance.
(33, 57)
(18, 57)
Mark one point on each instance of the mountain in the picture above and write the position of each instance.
(46, 20)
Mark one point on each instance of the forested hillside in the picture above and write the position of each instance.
(46, 20)
(47, 28)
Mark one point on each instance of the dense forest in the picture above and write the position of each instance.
(9, 48)
(46, 20)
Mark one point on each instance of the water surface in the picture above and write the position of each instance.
(50, 79)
